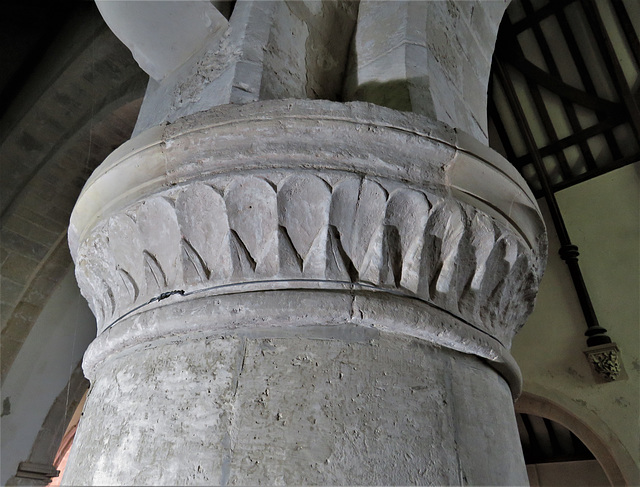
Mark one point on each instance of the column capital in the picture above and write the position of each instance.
(289, 195)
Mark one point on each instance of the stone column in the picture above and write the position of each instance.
(301, 292)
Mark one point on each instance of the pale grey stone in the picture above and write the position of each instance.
(158, 224)
(280, 235)
(252, 208)
(125, 243)
(303, 206)
(162, 35)
(361, 407)
(292, 224)
(202, 216)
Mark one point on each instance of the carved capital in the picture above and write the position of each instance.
(287, 194)
(605, 361)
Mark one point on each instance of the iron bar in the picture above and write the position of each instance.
(596, 334)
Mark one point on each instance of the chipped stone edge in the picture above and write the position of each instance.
(272, 309)
(474, 173)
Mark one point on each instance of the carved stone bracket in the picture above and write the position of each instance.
(605, 361)
(301, 191)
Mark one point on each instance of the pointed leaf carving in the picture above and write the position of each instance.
(303, 207)
(125, 243)
(159, 226)
(100, 271)
(252, 209)
(357, 212)
(443, 233)
(408, 212)
(202, 216)
(482, 241)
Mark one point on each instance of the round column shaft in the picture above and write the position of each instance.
(303, 292)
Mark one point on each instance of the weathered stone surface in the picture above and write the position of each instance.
(321, 221)
(430, 57)
(358, 406)
(269, 50)
(163, 35)
(311, 293)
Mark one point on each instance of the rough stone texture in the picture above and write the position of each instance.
(360, 408)
(239, 259)
(358, 230)
(291, 206)
(163, 35)
(270, 50)
(308, 292)
(430, 57)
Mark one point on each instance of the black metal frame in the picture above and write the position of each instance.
(508, 57)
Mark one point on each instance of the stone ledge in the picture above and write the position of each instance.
(296, 309)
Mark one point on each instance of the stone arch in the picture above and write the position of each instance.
(613, 457)
(47, 442)
(50, 259)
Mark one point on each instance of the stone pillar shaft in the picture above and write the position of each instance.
(288, 290)
(303, 291)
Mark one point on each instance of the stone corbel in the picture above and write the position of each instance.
(605, 361)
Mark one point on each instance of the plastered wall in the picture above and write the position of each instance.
(41, 370)
(602, 217)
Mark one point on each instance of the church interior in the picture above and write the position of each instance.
(563, 108)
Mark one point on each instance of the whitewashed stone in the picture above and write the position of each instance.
(202, 216)
(316, 292)
(403, 227)
(162, 35)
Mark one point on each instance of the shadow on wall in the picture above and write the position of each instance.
(396, 94)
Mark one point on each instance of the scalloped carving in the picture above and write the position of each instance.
(303, 210)
(253, 216)
(202, 217)
(424, 245)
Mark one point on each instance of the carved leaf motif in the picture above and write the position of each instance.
(443, 233)
(93, 288)
(202, 216)
(303, 207)
(505, 292)
(252, 209)
(125, 243)
(522, 305)
(511, 250)
(339, 265)
(438, 249)
(498, 265)
(606, 363)
(482, 240)
(508, 301)
(453, 230)
(159, 226)
(357, 212)
(408, 212)
(99, 272)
